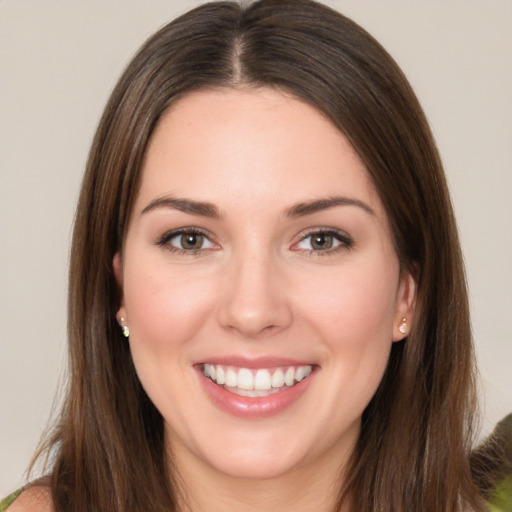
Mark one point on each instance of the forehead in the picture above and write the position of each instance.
(251, 147)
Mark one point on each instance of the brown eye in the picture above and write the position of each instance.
(191, 241)
(186, 241)
(324, 241)
(321, 242)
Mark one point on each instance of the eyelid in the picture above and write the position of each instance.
(164, 239)
(344, 239)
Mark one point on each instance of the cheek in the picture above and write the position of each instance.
(165, 311)
(355, 302)
(166, 308)
(353, 314)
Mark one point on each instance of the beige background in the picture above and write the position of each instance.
(58, 62)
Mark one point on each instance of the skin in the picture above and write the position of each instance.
(258, 287)
(36, 498)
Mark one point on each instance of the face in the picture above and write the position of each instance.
(259, 283)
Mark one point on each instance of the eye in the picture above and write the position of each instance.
(324, 241)
(186, 240)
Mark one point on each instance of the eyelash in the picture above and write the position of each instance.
(164, 240)
(345, 241)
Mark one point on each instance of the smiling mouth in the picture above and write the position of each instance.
(255, 382)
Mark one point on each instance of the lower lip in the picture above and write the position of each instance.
(254, 407)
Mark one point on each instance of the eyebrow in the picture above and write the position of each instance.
(205, 209)
(189, 206)
(310, 207)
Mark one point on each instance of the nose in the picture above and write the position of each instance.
(254, 299)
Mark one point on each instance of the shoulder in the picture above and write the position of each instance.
(32, 499)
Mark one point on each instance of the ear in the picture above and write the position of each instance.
(117, 265)
(405, 306)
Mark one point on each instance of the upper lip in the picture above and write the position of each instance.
(254, 362)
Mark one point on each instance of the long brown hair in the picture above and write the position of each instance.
(413, 451)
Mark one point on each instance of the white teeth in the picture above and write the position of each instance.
(221, 375)
(278, 379)
(299, 374)
(259, 382)
(289, 376)
(231, 378)
(245, 379)
(262, 380)
(302, 372)
(253, 392)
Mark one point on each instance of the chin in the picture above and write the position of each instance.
(258, 467)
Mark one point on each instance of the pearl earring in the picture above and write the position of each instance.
(403, 327)
(125, 328)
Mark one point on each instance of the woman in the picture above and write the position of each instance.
(267, 306)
